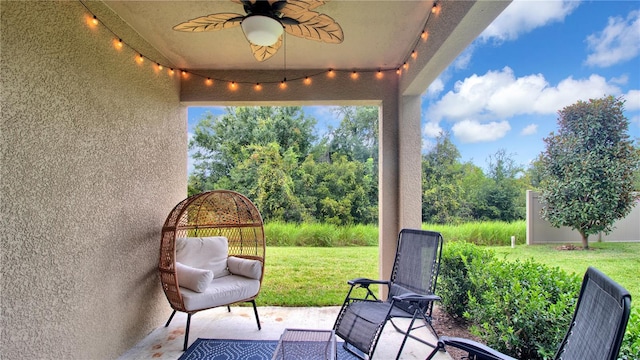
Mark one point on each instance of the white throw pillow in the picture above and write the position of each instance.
(209, 253)
(192, 278)
(245, 267)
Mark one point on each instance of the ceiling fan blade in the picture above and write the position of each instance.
(262, 53)
(210, 22)
(316, 26)
(297, 6)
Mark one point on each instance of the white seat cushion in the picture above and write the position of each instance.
(222, 291)
(208, 253)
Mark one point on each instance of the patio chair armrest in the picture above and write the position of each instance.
(473, 348)
(366, 282)
(416, 297)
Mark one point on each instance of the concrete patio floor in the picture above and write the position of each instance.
(240, 324)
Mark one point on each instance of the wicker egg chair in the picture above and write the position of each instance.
(211, 215)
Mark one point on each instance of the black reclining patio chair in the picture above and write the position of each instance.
(595, 332)
(411, 295)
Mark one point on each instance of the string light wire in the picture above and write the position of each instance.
(258, 85)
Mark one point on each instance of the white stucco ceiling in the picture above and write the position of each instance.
(377, 34)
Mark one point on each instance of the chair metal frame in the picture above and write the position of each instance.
(403, 302)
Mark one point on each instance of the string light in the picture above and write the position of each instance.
(435, 9)
(118, 43)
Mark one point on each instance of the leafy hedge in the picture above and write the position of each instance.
(520, 308)
(630, 349)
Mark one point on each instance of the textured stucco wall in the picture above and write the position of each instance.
(93, 157)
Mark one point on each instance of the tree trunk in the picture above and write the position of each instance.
(585, 241)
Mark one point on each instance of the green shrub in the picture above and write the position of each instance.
(454, 284)
(522, 308)
(630, 349)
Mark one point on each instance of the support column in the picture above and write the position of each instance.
(410, 163)
(388, 176)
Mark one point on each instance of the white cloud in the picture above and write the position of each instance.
(471, 131)
(618, 42)
(530, 129)
(632, 102)
(435, 88)
(522, 16)
(463, 60)
(499, 94)
(432, 129)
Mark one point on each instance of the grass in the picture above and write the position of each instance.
(620, 261)
(483, 233)
(317, 276)
(312, 276)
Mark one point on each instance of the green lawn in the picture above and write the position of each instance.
(312, 276)
(620, 261)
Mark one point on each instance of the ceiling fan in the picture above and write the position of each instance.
(265, 21)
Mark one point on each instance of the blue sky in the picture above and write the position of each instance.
(505, 89)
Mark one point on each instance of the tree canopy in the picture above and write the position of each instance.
(275, 156)
(589, 168)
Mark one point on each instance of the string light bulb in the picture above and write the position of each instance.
(94, 21)
(208, 82)
(171, 72)
(435, 9)
(354, 75)
(140, 58)
(233, 86)
(159, 66)
(424, 36)
(405, 66)
(117, 43)
(379, 74)
(307, 80)
(331, 73)
(414, 54)
(258, 87)
(398, 71)
(283, 84)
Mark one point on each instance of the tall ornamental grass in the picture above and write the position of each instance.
(320, 235)
(493, 233)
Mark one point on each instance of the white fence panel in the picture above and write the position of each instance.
(541, 232)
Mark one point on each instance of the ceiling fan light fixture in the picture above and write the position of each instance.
(262, 30)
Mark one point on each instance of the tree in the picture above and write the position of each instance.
(500, 198)
(589, 168)
(219, 144)
(443, 195)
